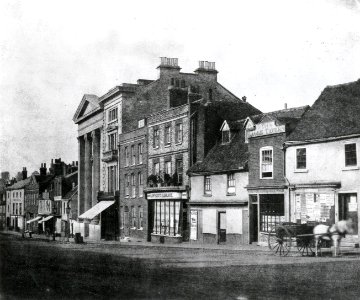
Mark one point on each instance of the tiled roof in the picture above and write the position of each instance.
(335, 113)
(69, 194)
(20, 184)
(284, 116)
(224, 157)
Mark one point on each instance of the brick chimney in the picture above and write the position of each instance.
(43, 169)
(24, 173)
(207, 70)
(168, 67)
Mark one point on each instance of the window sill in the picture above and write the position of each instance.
(140, 229)
(230, 194)
(267, 178)
(176, 144)
(301, 171)
(133, 228)
(352, 168)
(156, 147)
(207, 195)
(167, 145)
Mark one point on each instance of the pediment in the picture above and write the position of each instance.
(88, 104)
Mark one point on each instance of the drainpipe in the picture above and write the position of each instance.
(287, 180)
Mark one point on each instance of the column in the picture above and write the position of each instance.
(95, 134)
(88, 172)
(81, 175)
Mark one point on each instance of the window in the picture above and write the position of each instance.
(126, 156)
(157, 168)
(231, 184)
(168, 167)
(350, 155)
(207, 185)
(177, 82)
(266, 162)
(16, 208)
(182, 83)
(127, 185)
(122, 217)
(111, 179)
(167, 134)
(178, 133)
(210, 94)
(141, 218)
(225, 136)
(112, 141)
(179, 171)
(133, 155)
(166, 217)
(140, 182)
(271, 211)
(140, 153)
(156, 137)
(301, 158)
(112, 115)
(133, 217)
(20, 208)
(141, 123)
(13, 211)
(133, 186)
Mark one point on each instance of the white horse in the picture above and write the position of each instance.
(335, 233)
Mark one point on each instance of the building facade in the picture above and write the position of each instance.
(218, 198)
(133, 173)
(2, 204)
(265, 135)
(322, 160)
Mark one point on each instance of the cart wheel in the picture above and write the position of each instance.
(306, 246)
(279, 240)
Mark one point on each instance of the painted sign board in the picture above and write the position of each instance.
(193, 224)
(167, 195)
(45, 207)
(265, 128)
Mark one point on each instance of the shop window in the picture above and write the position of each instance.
(140, 153)
(140, 181)
(141, 218)
(207, 185)
(166, 217)
(301, 158)
(156, 141)
(231, 184)
(350, 155)
(133, 186)
(271, 211)
(112, 115)
(266, 162)
(178, 133)
(167, 134)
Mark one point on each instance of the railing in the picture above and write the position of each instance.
(110, 155)
(165, 180)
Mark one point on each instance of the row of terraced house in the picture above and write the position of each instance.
(181, 158)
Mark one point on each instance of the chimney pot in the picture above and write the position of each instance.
(285, 106)
(243, 98)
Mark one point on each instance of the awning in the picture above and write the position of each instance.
(95, 210)
(33, 220)
(46, 219)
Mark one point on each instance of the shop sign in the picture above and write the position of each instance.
(266, 128)
(193, 224)
(45, 207)
(167, 195)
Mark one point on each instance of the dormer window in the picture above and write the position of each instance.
(225, 132)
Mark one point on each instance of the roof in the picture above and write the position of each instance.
(20, 184)
(73, 191)
(224, 157)
(89, 104)
(334, 114)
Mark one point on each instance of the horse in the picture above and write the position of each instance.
(335, 233)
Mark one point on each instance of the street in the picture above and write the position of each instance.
(33, 269)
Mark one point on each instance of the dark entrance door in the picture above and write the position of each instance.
(348, 208)
(254, 222)
(222, 227)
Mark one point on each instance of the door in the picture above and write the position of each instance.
(222, 227)
(348, 208)
(254, 222)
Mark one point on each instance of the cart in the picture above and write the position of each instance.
(283, 236)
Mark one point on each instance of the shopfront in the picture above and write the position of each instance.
(167, 216)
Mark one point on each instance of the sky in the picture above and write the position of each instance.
(54, 52)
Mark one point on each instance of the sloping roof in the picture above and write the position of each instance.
(335, 113)
(89, 104)
(20, 184)
(224, 157)
(73, 191)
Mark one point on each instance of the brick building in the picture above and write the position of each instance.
(133, 174)
(266, 134)
(2, 203)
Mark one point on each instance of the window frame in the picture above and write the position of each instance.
(228, 136)
(179, 132)
(140, 153)
(207, 185)
(133, 155)
(231, 183)
(348, 158)
(167, 135)
(112, 114)
(133, 185)
(156, 137)
(297, 158)
(262, 149)
(126, 156)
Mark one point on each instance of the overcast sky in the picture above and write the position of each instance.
(51, 53)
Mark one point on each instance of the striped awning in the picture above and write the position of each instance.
(33, 220)
(46, 219)
(95, 210)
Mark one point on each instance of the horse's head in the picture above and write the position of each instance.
(346, 226)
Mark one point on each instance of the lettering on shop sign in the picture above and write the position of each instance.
(165, 195)
(45, 207)
(265, 129)
(193, 224)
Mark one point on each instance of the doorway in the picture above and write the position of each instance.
(222, 227)
(348, 208)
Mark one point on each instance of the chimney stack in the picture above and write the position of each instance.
(243, 98)
(207, 70)
(24, 173)
(285, 106)
(43, 169)
(168, 67)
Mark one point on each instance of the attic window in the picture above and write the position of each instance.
(225, 131)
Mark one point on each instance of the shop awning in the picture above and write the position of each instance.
(46, 219)
(95, 210)
(33, 220)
